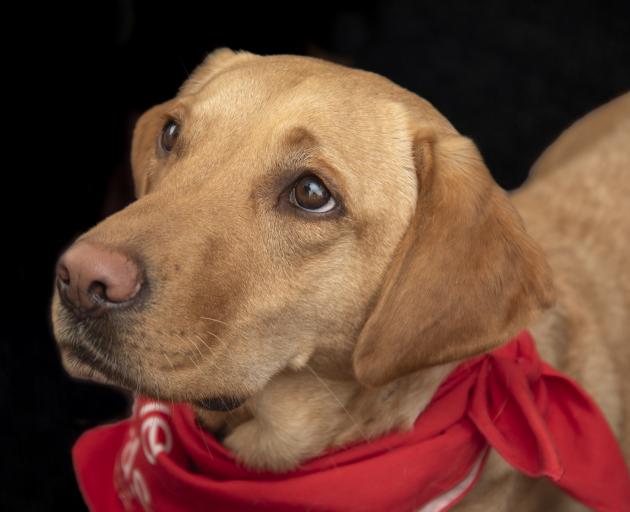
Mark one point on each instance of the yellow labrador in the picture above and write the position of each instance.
(314, 249)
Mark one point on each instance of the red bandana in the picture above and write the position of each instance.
(537, 419)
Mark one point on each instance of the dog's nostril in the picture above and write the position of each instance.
(63, 274)
(99, 291)
(92, 278)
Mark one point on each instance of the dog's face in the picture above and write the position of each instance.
(292, 211)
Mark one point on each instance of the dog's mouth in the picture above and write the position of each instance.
(83, 362)
(86, 356)
(220, 403)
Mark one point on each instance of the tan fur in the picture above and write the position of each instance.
(341, 328)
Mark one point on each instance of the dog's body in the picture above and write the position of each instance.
(576, 206)
(286, 340)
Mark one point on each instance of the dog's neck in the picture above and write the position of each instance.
(300, 413)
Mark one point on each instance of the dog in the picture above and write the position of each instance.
(314, 249)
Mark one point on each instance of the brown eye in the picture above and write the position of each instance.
(169, 135)
(310, 194)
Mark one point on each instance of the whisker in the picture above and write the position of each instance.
(203, 438)
(194, 346)
(213, 319)
(138, 384)
(217, 337)
(210, 319)
(169, 361)
(203, 341)
(336, 398)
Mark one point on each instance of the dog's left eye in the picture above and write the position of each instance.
(309, 193)
(170, 132)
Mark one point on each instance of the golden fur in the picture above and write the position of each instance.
(341, 327)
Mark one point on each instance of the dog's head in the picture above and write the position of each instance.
(290, 212)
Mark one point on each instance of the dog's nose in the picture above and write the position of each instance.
(91, 279)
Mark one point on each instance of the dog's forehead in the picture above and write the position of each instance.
(255, 93)
(272, 75)
(259, 102)
(280, 87)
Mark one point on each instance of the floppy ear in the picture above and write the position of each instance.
(465, 277)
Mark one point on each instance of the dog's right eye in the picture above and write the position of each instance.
(170, 132)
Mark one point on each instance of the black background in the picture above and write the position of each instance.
(511, 75)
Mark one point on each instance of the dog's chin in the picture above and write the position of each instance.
(78, 368)
(79, 363)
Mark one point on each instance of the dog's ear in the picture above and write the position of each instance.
(144, 145)
(464, 278)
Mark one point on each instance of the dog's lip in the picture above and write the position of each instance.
(220, 403)
(81, 363)
(79, 369)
